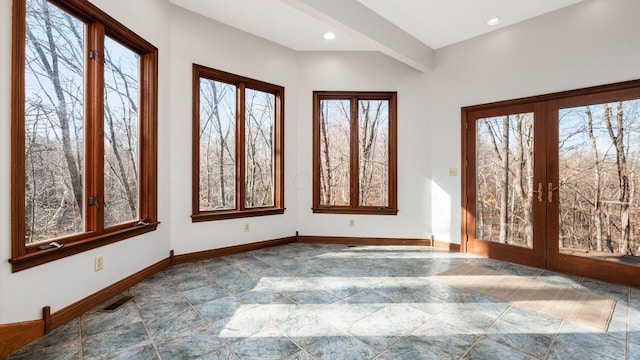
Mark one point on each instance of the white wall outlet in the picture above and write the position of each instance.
(352, 222)
(453, 171)
(246, 227)
(98, 263)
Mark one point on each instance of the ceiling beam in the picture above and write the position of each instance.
(360, 21)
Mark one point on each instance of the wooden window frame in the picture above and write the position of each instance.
(354, 207)
(241, 83)
(98, 25)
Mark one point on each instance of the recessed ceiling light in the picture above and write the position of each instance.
(329, 36)
(494, 21)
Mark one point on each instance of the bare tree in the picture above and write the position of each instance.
(524, 172)
(335, 117)
(54, 113)
(121, 120)
(372, 117)
(597, 205)
(504, 196)
(617, 138)
(259, 148)
(49, 58)
(325, 168)
(216, 139)
(55, 56)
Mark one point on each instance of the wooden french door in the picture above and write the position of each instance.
(554, 182)
(504, 170)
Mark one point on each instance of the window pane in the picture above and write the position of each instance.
(217, 145)
(121, 84)
(259, 150)
(373, 144)
(54, 122)
(504, 179)
(334, 152)
(599, 154)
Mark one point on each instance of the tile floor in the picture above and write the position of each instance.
(315, 301)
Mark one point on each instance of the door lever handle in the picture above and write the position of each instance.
(550, 190)
(539, 192)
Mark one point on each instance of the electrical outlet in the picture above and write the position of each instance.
(453, 171)
(352, 222)
(246, 227)
(98, 262)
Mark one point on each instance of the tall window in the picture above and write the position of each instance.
(238, 149)
(354, 152)
(83, 131)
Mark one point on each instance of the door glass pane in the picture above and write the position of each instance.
(599, 159)
(217, 145)
(54, 123)
(373, 144)
(259, 150)
(334, 152)
(121, 84)
(504, 179)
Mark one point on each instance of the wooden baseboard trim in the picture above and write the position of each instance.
(362, 240)
(78, 308)
(46, 317)
(446, 246)
(16, 335)
(208, 254)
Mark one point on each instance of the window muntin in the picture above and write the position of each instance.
(355, 152)
(237, 146)
(82, 174)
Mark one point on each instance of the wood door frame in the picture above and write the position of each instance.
(551, 103)
(583, 266)
(526, 256)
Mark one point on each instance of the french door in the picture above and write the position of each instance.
(554, 182)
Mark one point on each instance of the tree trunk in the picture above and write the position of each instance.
(325, 172)
(523, 174)
(504, 200)
(53, 73)
(597, 206)
(132, 201)
(623, 176)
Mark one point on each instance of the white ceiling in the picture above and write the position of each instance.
(408, 30)
(439, 23)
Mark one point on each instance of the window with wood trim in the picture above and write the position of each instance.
(354, 152)
(84, 152)
(238, 146)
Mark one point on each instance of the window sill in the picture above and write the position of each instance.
(361, 211)
(234, 214)
(44, 256)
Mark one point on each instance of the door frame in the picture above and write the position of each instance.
(546, 256)
(534, 256)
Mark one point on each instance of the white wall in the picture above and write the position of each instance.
(63, 282)
(369, 71)
(200, 40)
(592, 43)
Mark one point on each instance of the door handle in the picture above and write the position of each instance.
(550, 190)
(539, 192)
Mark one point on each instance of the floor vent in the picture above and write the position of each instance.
(117, 304)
